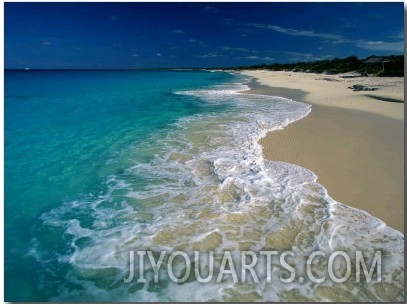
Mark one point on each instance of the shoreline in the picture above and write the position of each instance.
(354, 145)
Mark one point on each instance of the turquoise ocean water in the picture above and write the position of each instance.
(101, 163)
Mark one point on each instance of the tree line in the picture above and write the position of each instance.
(370, 66)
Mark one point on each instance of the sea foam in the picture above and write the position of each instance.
(207, 187)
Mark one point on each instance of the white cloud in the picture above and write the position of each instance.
(178, 31)
(159, 54)
(298, 54)
(381, 45)
(267, 58)
(210, 55)
(306, 56)
(239, 49)
(295, 32)
(46, 43)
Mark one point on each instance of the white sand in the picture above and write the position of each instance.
(329, 90)
(352, 142)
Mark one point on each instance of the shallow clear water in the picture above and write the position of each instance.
(101, 163)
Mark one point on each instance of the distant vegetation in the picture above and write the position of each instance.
(370, 66)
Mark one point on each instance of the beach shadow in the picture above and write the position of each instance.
(387, 99)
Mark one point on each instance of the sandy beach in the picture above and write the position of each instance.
(352, 140)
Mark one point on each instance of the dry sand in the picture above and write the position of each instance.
(351, 141)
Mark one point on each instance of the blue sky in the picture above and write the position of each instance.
(151, 35)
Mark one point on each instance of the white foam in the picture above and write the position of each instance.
(209, 177)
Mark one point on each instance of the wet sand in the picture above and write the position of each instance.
(352, 142)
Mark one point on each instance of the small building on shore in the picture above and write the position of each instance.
(376, 61)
